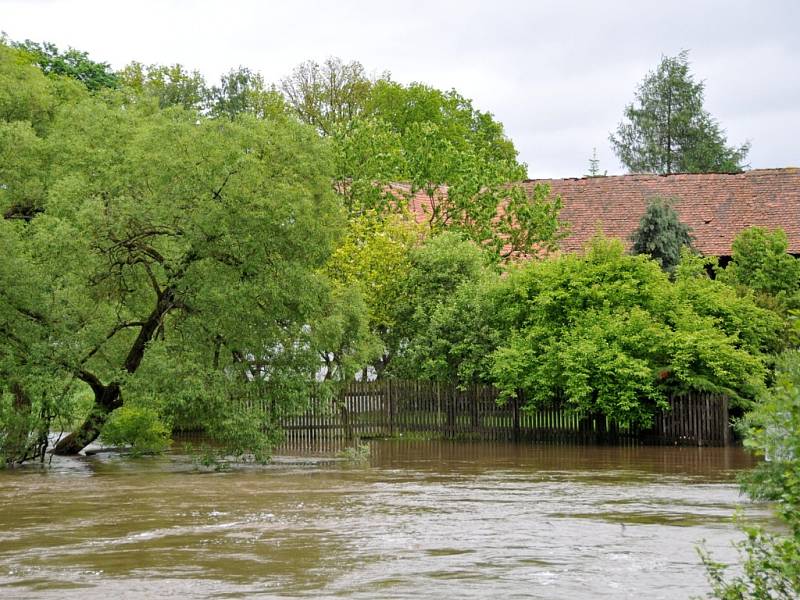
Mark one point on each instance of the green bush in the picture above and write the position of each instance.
(139, 427)
(612, 334)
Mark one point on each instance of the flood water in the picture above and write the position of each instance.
(418, 519)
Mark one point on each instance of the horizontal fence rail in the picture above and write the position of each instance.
(423, 408)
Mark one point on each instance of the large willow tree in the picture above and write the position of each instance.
(155, 258)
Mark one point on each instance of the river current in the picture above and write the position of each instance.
(416, 519)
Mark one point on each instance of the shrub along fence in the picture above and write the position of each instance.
(392, 408)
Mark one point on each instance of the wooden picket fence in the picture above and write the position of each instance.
(430, 409)
(699, 419)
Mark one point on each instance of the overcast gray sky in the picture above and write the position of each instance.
(557, 74)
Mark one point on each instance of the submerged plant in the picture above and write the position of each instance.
(139, 428)
(359, 453)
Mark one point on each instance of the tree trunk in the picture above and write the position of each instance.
(106, 399)
(381, 364)
(16, 443)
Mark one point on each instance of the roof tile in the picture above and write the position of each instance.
(716, 206)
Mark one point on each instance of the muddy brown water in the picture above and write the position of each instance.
(418, 519)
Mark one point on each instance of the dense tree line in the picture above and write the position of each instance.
(181, 253)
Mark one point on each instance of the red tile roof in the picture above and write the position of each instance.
(716, 206)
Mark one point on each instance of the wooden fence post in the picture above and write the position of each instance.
(473, 394)
(387, 398)
(726, 431)
(439, 421)
(450, 404)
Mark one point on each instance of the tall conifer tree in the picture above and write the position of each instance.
(667, 130)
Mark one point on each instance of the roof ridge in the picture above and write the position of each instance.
(665, 175)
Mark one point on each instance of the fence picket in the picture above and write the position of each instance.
(391, 407)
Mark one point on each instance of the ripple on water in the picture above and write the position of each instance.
(476, 521)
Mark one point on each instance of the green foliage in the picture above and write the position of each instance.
(770, 562)
(169, 85)
(609, 333)
(368, 159)
(438, 267)
(761, 267)
(437, 271)
(453, 158)
(140, 428)
(461, 163)
(773, 431)
(328, 95)
(445, 329)
(407, 108)
(34, 396)
(344, 337)
(761, 263)
(161, 253)
(70, 63)
(594, 166)
(27, 96)
(374, 256)
(19, 432)
(735, 310)
(667, 130)
(605, 332)
(459, 336)
(242, 91)
(661, 235)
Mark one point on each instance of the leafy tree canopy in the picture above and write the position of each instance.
(609, 333)
(760, 261)
(328, 95)
(69, 63)
(457, 337)
(667, 130)
(169, 85)
(734, 309)
(162, 262)
(375, 257)
(242, 91)
(606, 332)
(439, 269)
(447, 154)
(26, 95)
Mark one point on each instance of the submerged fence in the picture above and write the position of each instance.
(393, 408)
